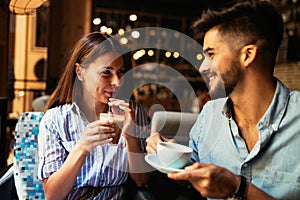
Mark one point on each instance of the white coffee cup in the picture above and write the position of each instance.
(118, 124)
(173, 155)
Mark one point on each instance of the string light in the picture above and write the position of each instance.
(168, 54)
(121, 31)
(133, 17)
(109, 31)
(176, 54)
(103, 29)
(135, 34)
(150, 52)
(97, 21)
(199, 56)
(123, 40)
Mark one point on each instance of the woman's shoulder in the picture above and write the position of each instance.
(60, 112)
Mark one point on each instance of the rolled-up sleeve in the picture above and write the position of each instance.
(51, 152)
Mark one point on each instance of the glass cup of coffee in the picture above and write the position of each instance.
(117, 125)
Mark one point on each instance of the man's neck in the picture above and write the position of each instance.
(251, 103)
(248, 107)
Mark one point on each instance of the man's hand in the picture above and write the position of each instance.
(210, 180)
(152, 141)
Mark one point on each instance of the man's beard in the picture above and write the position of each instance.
(227, 82)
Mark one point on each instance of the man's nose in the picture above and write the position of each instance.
(204, 66)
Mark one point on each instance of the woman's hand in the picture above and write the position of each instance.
(96, 133)
(121, 107)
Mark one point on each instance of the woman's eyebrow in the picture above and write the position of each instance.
(112, 68)
(106, 67)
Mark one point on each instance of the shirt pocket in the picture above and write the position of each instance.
(282, 185)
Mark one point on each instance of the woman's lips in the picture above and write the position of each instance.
(110, 93)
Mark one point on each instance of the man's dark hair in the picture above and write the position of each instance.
(250, 22)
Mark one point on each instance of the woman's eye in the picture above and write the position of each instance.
(106, 72)
(121, 72)
(109, 72)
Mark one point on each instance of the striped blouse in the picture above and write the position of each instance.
(106, 166)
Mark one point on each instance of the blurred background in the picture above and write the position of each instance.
(35, 36)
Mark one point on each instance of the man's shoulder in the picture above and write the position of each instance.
(215, 104)
(295, 96)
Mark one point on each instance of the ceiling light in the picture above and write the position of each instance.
(97, 21)
(175, 54)
(103, 29)
(150, 52)
(121, 31)
(133, 17)
(135, 34)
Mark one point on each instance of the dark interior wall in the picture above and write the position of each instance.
(68, 21)
(187, 8)
(4, 22)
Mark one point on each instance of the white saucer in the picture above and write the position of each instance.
(151, 159)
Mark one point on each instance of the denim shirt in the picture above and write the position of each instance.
(273, 165)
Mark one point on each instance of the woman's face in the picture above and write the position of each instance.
(101, 78)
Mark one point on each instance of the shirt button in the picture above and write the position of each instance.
(245, 165)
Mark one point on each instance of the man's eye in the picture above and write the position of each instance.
(210, 55)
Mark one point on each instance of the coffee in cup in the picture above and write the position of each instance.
(117, 125)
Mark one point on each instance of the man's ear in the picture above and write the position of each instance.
(248, 55)
(79, 72)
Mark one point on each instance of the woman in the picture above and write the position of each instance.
(77, 158)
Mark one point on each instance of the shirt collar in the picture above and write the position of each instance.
(277, 108)
(71, 106)
(275, 111)
(227, 109)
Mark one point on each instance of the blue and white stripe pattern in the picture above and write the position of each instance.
(106, 166)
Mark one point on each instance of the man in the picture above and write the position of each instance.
(247, 144)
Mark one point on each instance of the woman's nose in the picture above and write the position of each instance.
(116, 81)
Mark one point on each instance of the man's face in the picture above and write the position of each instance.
(220, 67)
